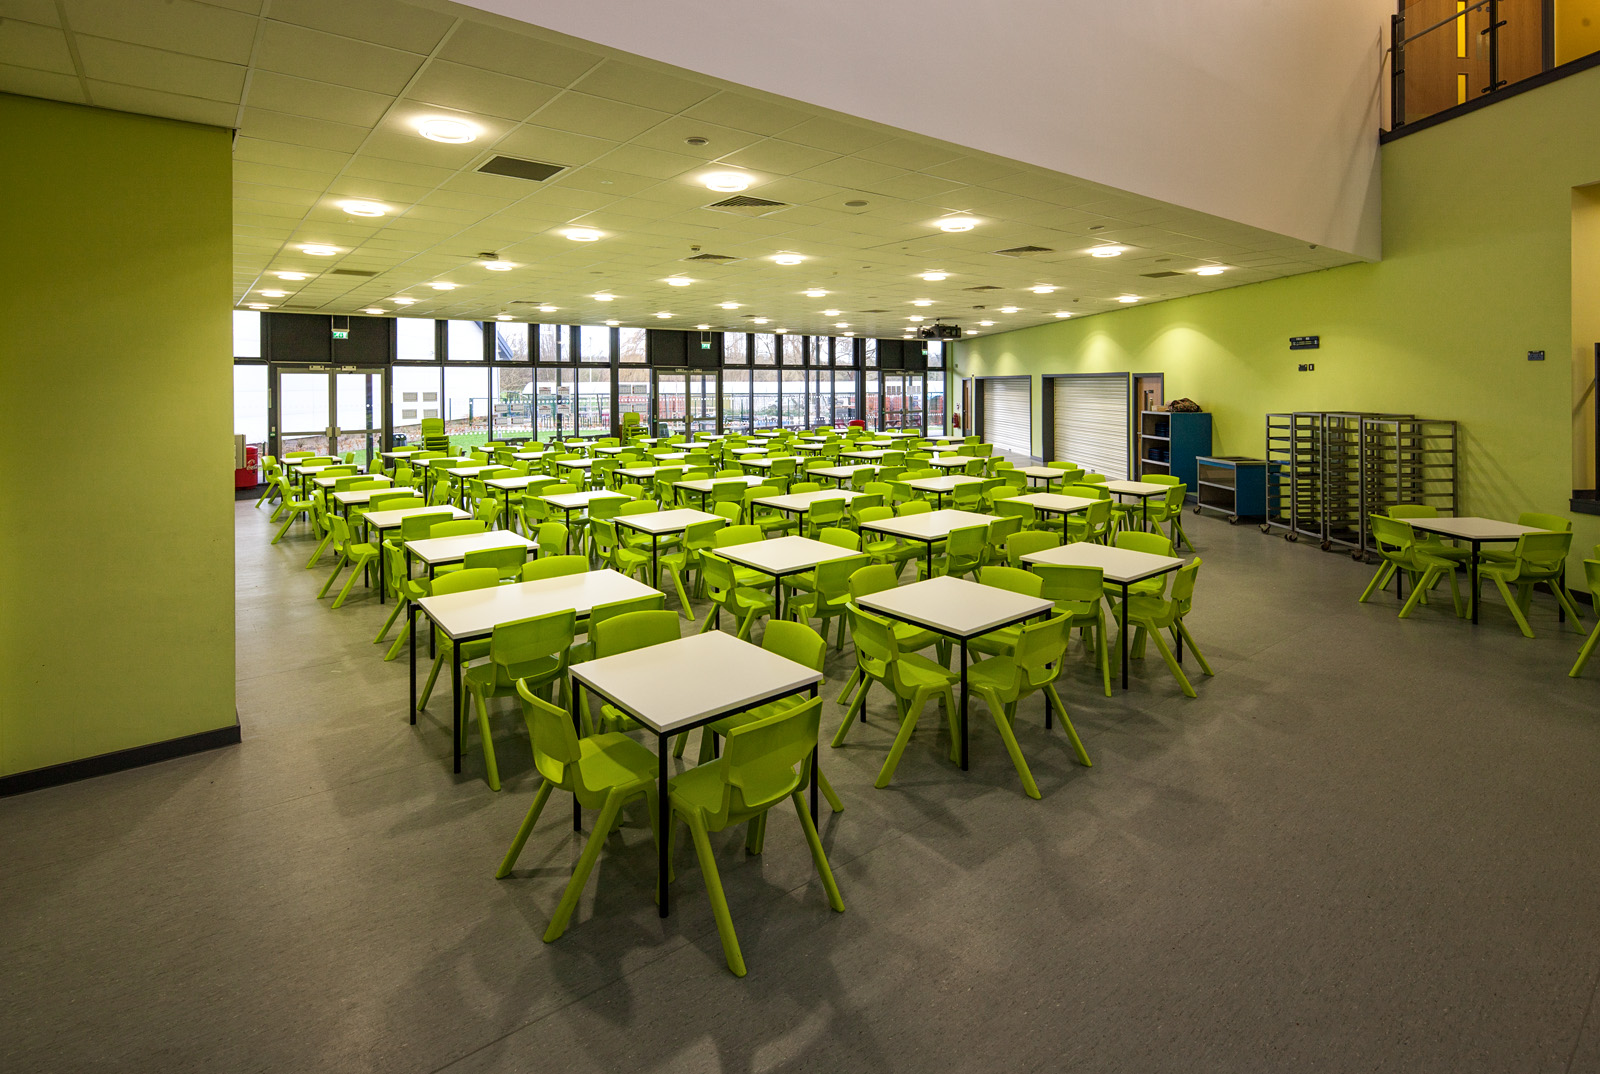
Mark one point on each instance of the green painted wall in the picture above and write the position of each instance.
(1476, 272)
(116, 556)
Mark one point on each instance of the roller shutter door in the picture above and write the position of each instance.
(1008, 415)
(1091, 420)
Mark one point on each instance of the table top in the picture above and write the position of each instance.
(862, 454)
(644, 471)
(674, 521)
(569, 500)
(703, 484)
(1041, 471)
(952, 462)
(471, 471)
(942, 484)
(766, 464)
(929, 525)
(476, 612)
(956, 606)
(615, 450)
(576, 464)
(801, 501)
(317, 469)
(454, 460)
(1119, 564)
(839, 471)
(692, 680)
(747, 451)
(527, 456)
(671, 456)
(400, 453)
(784, 555)
(1136, 488)
(520, 482)
(385, 520)
(1473, 528)
(1054, 501)
(434, 550)
(328, 482)
(352, 497)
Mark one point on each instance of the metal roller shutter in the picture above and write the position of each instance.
(1091, 420)
(1007, 415)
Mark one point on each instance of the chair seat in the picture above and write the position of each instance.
(613, 760)
(699, 788)
(750, 578)
(918, 671)
(1002, 642)
(483, 675)
(996, 673)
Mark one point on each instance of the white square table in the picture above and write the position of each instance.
(957, 609)
(943, 486)
(568, 502)
(399, 453)
(702, 485)
(505, 486)
(1144, 491)
(361, 497)
(659, 524)
(951, 462)
(527, 456)
(390, 520)
(436, 551)
(475, 613)
(677, 686)
(1123, 566)
(841, 474)
(1041, 475)
(929, 527)
(767, 464)
(642, 473)
(783, 556)
(1053, 503)
(798, 503)
(873, 456)
(742, 451)
(329, 482)
(1477, 532)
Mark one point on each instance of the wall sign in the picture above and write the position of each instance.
(1536, 356)
(1304, 343)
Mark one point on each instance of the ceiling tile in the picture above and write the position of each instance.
(40, 12)
(604, 181)
(533, 142)
(280, 195)
(972, 169)
(155, 103)
(641, 85)
(473, 89)
(670, 135)
(907, 153)
(48, 84)
(148, 68)
(246, 147)
(298, 130)
(395, 195)
(495, 48)
(26, 44)
(295, 50)
(913, 185)
(245, 171)
(826, 133)
(315, 100)
(393, 143)
(779, 157)
(653, 163)
(368, 166)
(582, 113)
(747, 113)
(183, 26)
(384, 22)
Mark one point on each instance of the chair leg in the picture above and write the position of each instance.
(827, 792)
(819, 857)
(849, 686)
(1188, 639)
(1419, 586)
(1172, 665)
(539, 799)
(356, 567)
(908, 724)
(399, 643)
(1003, 725)
(1100, 650)
(288, 521)
(490, 768)
(586, 860)
(683, 599)
(399, 607)
(1066, 725)
(321, 547)
(719, 901)
(1585, 652)
(850, 713)
(1572, 609)
(1515, 607)
(1379, 580)
(433, 675)
(338, 565)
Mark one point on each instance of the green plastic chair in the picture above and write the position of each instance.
(764, 763)
(1397, 544)
(1004, 681)
(1001, 530)
(1540, 557)
(1536, 519)
(745, 603)
(617, 629)
(698, 537)
(551, 538)
(1591, 571)
(963, 552)
(1149, 615)
(291, 506)
(1153, 544)
(506, 561)
(838, 537)
(1169, 510)
(1091, 524)
(829, 597)
(1433, 543)
(404, 591)
(882, 548)
(748, 577)
(1027, 542)
(1013, 580)
(554, 567)
(1079, 592)
(612, 553)
(823, 514)
(602, 772)
(458, 582)
(912, 679)
(357, 555)
(769, 519)
(908, 638)
(524, 654)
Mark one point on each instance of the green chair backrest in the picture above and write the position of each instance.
(1138, 541)
(1544, 551)
(550, 537)
(462, 581)
(1040, 647)
(1093, 479)
(875, 514)
(1159, 479)
(458, 527)
(601, 612)
(1392, 535)
(968, 541)
(393, 500)
(638, 507)
(766, 760)
(554, 567)
(416, 527)
(840, 537)
(554, 739)
(833, 577)
(1553, 523)
(633, 630)
(1006, 508)
(1013, 579)
(1070, 584)
(523, 641)
(731, 535)
(1027, 542)
(506, 562)
(1086, 492)
(914, 507)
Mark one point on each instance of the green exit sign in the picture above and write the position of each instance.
(341, 333)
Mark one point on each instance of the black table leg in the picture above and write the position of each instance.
(1124, 613)
(411, 628)
(1474, 562)
(963, 704)
(655, 560)
(664, 820)
(455, 698)
(816, 773)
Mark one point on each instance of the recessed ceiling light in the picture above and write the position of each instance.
(605, 297)
(780, 331)
(727, 182)
(364, 208)
(922, 301)
(702, 327)
(1043, 289)
(1210, 270)
(815, 292)
(759, 320)
(935, 277)
(375, 311)
(841, 324)
(830, 313)
(729, 305)
(502, 316)
(405, 301)
(318, 250)
(274, 294)
(679, 281)
(788, 259)
(581, 234)
(1008, 309)
(986, 324)
(449, 131)
(1106, 251)
(916, 318)
(1063, 314)
(957, 223)
(499, 266)
(292, 275)
(441, 285)
(548, 309)
(663, 315)
(972, 331)
(612, 324)
(1128, 298)
(849, 333)
(259, 306)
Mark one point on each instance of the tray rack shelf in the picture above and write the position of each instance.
(1280, 464)
(1407, 460)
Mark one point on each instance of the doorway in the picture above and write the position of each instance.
(685, 402)
(329, 411)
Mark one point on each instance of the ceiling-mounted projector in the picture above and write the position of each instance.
(939, 331)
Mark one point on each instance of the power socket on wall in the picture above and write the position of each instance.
(1308, 367)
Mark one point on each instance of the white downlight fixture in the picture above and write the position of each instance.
(448, 131)
(364, 208)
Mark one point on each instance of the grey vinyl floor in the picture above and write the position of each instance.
(1369, 845)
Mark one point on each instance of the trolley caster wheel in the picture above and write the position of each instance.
(1264, 528)
(1359, 556)
(1233, 520)
(1197, 510)
(1292, 538)
(1326, 545)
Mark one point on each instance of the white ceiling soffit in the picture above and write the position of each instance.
(1264, 113)
(326, 97)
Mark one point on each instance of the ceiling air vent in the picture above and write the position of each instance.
(1025, 251)
(717, 258)
(532, 170)
(872, 311)
(353, 272)
(982, 287)
(743, 205)
(297, 307)
(1159, 275)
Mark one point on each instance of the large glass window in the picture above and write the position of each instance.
(594, 399)
(764, 398)
(552, 403)
(633, 390)
(511, 342)
(844, 351)
(869, 347)
(246, 334)
(819, 351)
(463, 341)
(821, 397)
(416, 396)
(765, 349)
(794, 398)
(466, 405)
(250, 406)
(553, 343)
(935, 352)
(844, 396)
(911, 416)
(513, 401)
(736, 400)
(630, 346)
(415, 340)
(733, 348)
(872, 400)
(935, 399)
(794, 350)
(594, 344)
